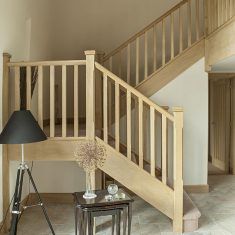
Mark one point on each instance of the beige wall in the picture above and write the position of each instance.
(190, 91)
(25, 33)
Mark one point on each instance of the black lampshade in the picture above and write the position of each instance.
(22, 128)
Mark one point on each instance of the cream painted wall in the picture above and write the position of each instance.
(190, 90)
(25, 33)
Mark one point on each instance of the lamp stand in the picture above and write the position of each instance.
(17, 196)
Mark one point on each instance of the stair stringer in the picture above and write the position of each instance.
(138, 181)
(174, 68)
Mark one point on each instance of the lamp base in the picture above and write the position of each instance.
(17, 199)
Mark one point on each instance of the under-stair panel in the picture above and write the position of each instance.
(139, 181)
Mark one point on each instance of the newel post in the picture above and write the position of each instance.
(90, 94)
(178, 170)
(99, 93)
(91, 109)
(5, 116)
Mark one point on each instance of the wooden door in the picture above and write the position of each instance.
(220, 123)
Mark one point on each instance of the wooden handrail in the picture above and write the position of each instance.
(134, 91)
(47, 63)
(158, 20)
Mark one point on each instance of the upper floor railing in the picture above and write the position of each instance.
(217, 13)
(159, 43)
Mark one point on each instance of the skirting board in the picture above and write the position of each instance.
(201, 188)
(24, 202)
(52, 198)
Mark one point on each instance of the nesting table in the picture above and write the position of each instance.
(87, 209)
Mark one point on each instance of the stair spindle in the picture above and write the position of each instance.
(40, 96)
(140, 118)
(17, 88)
(52, 101)
(180, 30)
(76, 115)
(164, 149)
(145, 54)
(152, 141)
(128, 115)
(117, 116)
(137, 60)
(189, 24)
(197, 20)
(64, 106)
(105, 108)
(28, 87)
(172, 37)
(163, 43)
(154, 47)
(128, 63)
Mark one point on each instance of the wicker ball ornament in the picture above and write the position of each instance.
(90, 155)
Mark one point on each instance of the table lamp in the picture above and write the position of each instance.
(22, 128)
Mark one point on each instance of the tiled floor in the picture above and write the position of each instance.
(217, 208)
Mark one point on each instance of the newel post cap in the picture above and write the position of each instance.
(90, 52)
(5, 54)
(177, 109)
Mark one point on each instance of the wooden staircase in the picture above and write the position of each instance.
(160, 52)
(139, 135)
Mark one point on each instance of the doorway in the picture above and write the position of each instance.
(221, 124)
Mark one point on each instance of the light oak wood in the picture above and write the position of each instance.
(17, 88)
(141, 153)
(152, 141)
(5, 156)
(142, 32)
(197, 20)
(172, 37)
(111, 64)
(164, 149)
(120, 64)
(105, 108)
(189, 24)
(154, 47)
(28, 87)
(175, 67)
(128, 121)
(128, 64)
(137, 61)
(220, 44)
(117, 117)
(47, 63)
(90, 91)
(146, 54)
(133, 91)
(163, 43)
(139, 181)
(40, 96)
(76, 101)
(64, 101)
(197, 188)
(178, 170)
(52, 101)
(58, 198)
(180, 30)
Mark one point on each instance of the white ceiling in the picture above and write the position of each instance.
(227, 65)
